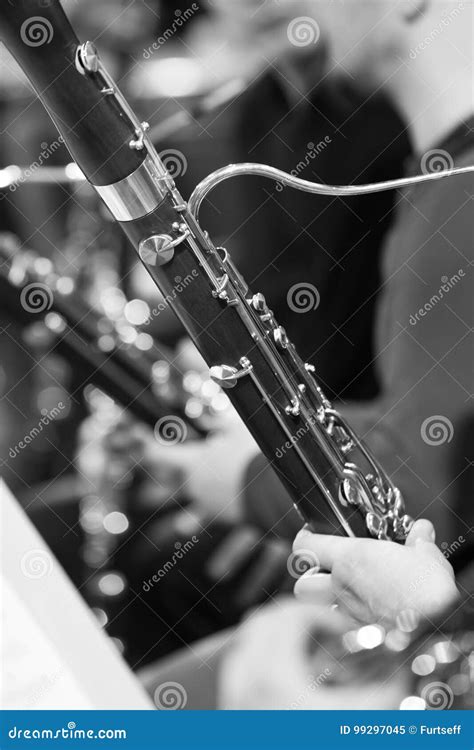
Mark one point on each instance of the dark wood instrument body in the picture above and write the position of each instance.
(40, 37)
(222, 338)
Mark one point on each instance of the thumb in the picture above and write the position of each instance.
(422, 531)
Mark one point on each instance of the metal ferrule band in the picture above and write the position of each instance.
(139, 193)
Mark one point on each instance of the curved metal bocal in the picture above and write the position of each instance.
(317, 188)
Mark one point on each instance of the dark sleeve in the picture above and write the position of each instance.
(425, 356)
(417, 427)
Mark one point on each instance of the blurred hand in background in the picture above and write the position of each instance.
(207, 472)
(291, 656)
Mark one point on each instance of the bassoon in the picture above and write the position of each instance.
(337, 485)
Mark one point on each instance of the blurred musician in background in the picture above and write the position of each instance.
(425, 309)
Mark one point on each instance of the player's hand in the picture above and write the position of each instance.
(374, 580)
